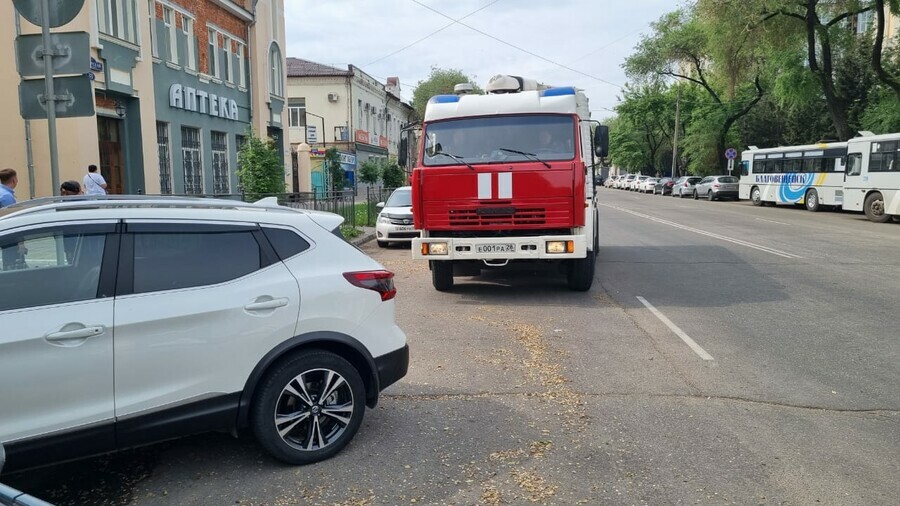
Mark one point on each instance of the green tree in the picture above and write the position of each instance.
(392, 175)
(334, 170)
(369, 172)
(261, 169)
(439, 82)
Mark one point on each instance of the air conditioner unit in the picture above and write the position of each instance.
(332, 97)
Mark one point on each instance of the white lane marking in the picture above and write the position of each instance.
(678, 332)
(504, 185)
(732, 240)
(773, 221)
(485, 190)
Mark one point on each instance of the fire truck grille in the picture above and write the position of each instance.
(508, 216)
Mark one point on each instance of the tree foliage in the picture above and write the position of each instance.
(369, 172)
(439, 82)
(755, 72)
(392, 175)
(261, 170)
(333, 168)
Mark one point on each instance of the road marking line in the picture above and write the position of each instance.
(732, 240)
(773, 221)
(678, 332)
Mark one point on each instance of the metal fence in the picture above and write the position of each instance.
(373, 197)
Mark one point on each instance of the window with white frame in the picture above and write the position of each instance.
(171, 39)
(276, 66)
(213, 53)
(187, 26)
(242, 65)
(116, 18)
(297, 112)
(227, 67)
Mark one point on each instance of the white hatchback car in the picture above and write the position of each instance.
(395, 220)
(133, 320)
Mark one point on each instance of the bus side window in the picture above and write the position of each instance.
(854, 164)
(745, 168)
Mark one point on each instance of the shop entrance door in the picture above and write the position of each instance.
(109, 130)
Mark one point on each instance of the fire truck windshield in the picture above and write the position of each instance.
(496, 139)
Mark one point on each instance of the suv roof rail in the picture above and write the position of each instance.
(47, 204)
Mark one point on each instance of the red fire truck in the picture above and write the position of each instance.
(507, 177)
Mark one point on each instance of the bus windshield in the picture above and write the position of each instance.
(500, 139)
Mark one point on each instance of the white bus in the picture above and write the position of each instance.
(862, 174)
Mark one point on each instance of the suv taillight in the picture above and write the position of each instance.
(379, 281)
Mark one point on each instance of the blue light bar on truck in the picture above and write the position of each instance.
(556, 92)
(444, 99)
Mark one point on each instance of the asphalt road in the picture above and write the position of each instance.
(522, 392)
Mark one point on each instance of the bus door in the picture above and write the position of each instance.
(856, 176)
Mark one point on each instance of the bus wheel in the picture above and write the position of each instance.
(874, 208)
(442, 275)
(812, 201)
(756, 196)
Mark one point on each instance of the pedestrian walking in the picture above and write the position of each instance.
(8, 183)
(94, 184)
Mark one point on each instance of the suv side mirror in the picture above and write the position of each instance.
(601, 141)
(380, 205)
(402, 154)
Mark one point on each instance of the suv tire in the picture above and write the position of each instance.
(696, 195)
(292, 437)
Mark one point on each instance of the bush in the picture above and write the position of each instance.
(392, 176)
(261, 169)
(370, 172)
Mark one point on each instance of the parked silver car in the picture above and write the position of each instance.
(717, 187)
(684, 186)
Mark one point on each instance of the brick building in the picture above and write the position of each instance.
(177, 84)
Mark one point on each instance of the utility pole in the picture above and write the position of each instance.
(675, 135)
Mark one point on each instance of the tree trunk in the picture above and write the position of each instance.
(883, 75)
(837, 106)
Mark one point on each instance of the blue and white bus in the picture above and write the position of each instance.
(862, 174)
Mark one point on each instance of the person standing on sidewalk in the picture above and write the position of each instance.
(94, 184)
(8, 182)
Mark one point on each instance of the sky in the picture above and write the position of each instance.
(590, 37)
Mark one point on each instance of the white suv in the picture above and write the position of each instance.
(132, 320)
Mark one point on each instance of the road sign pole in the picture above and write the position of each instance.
(50, 95)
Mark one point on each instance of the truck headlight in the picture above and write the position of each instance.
(558, 247)
(434, 248)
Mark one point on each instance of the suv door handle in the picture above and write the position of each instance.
(267, 304)
(69, 335)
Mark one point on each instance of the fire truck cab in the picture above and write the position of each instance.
(507, 177)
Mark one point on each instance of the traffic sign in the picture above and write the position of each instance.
(71, 51)
(731, 153)
(61, 11)
(74, 98)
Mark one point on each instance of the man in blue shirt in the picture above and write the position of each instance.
(8, 182)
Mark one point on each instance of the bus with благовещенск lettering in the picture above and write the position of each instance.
(862, 174)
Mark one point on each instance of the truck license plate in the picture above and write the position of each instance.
(495, 248)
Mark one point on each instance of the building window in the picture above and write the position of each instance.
(221, 178)
(213, 53)
(116, 19)
(297, 112)
(171, 41)
(165, 158)
(193, 166)
(864, 22)
(227, 66)
(154, 37)
(187, 26)
(242, 66)
(276, 64)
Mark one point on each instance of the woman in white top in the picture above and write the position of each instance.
(94, 184)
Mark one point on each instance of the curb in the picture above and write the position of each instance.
(359, 241)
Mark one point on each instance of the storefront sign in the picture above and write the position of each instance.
(348, 159)
(362, 136)
(382, 141)
(191, 99)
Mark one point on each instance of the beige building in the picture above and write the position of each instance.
(176, 86)
(347, 109)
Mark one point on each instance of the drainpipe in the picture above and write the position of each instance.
(29, 155)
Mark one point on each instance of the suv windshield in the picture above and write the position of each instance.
(400, 198)
(494, 139)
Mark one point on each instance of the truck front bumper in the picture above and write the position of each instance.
(500, 248)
